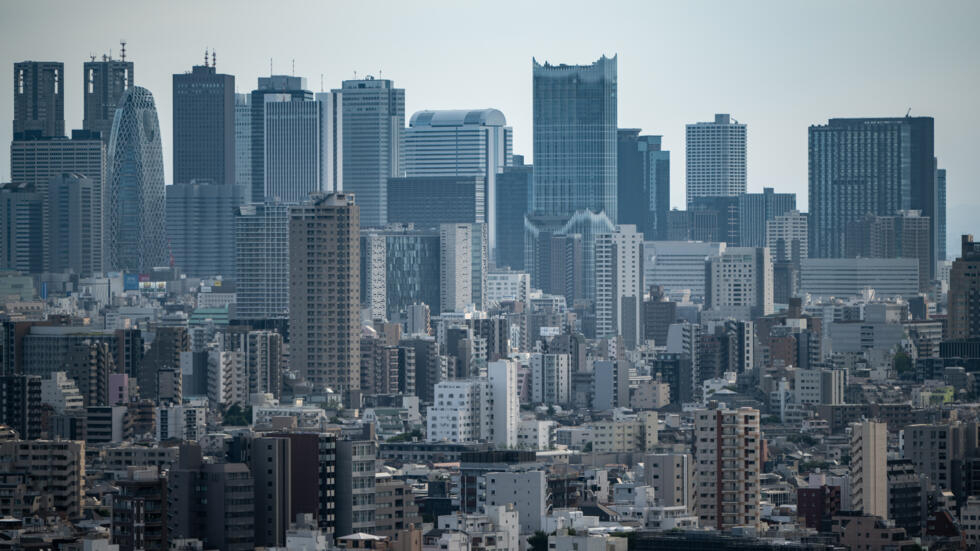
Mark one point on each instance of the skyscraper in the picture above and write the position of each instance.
(71, 240)
(575, 116)
(39, 99)
(106, 81)
(619, 284)
(324, 293)
(964, 292)
(460, 143)
(786, 237)
(513, 202)
(201, 226)
(204, 125)
(904, 235)
(21, 228)
(135, 226)
(941, 213)
(428, 201)
(643, 183)
(715, 158)
(869, 479)
(295, 88)
(869, 165)
(738, 283)
(243, 143)
(262, 260)
(755, 209)
(373, 122)
(455, 268)
(301, 146)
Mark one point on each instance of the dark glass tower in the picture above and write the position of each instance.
(39, 99)
(135, 221)
(514, 188)
(643, 182)
(105, 83)
(204, 126)
(869, 165)
(275, 84)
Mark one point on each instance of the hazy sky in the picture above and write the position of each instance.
(777, 66)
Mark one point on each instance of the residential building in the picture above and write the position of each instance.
(787, 238)
(964, 292)
(551, 379)
(636, 435)
(756, 210)
(527, 491)
(356, 506)
(739, 283)
(54, 468)
(204, 125)
(20, 404)
(508, 286)
(728, 461)
(475, 410)
(271, 459)
(619, 285)
(869, 472)
(139, 511)
(262, 261)
(671, 475)
(715, 158)
(396, 510)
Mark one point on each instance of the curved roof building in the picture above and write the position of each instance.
(135, 234)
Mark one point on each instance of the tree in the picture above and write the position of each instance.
(539, 541)
(235, 416)
(902, 362)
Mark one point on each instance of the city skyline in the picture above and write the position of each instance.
(778, 91)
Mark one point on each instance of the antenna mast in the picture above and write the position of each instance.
(122, 54)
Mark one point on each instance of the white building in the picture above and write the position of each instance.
(787, 236)
(508, 286)
(307, 417)
(851, 277)
(586, 542)
(181, 422)
(678, 265)
(550, 378)
(227, 377)
(527, 491)
(497, 530)
(506, 402)
(619, 284)
(474, 142)
(715, 158)
(455, 267)
(533, 434)
(475, 410)
(61, 393)
(739, 284)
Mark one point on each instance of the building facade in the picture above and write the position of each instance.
(643, 183)
(715, 158)
(204, 126)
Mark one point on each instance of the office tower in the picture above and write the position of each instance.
(715, 218)
(755, 210)
(941, 213)
(22, 225)
(869, 165)
(139, 510)
(301, 146)
(738, 283)
(263, 362)
(678, 265)
(551, 379)
(455, 267)
(428, 201)
(728, 460)
(106, 81)
(715, 158)
(575, 116)
(136, 239)
(851, 277)
(539, 231)
(374, 280)
(410, 259)
(39, 100)
(53, 468)
(200, 219)
(204, 125)
(902, 235)
(869, 474)
(271, 459)
(659, 312)
(619, 284)
(324, 293)
(262, 261)
(211, 501)
(71, 241)
(373, 122)
(272, 86)
(243, 143)
(20, 404)
(964, 292)
(459, 143)
(786, 237)
(643, 183)
(515, 186)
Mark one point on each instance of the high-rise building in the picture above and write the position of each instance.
(373, 123)
(460, 143)
(204, 125)
(850, 277)
(139, 510)
(755, 210)
(477, 409)
(659, 313)
(135, 187)
(262, 261)
(902, 235)
(715, 158)
(20, 404)
(941, 213)
(39, 99)
(678, 265)
(54, 468)
(869, 470)
(513, 202)
(551, 379)
(739, 283)
(295, 89)
(324, 292)
(21, 228)
(869, 165)
(428, 201)
(964, 292)
(263, 362)
(619, 284)
(106, 81)
(575, 124)
(271, 459)
(243, 143)
(72, 240)
(786, 237)
(643, 183)
(728, 460)
(200, 219)
(455, 267)
(355, 491)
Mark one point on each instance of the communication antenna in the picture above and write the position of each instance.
(122, 54)
(270, 66)
(294, 66)
(355, 75)
(907, 112)
(214, 59)
(321, 82)
(379, 72)
(205, 57)
(92, 57)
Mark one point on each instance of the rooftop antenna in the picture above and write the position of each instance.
(379, 73)
(355, 75)
(294, 66)
(321, 82)
(270, 66)
(907, 112)
(92, 57)
(214, 59)
(122, 54)
(205, 57)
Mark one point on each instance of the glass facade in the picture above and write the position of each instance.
(643, 183)
(513, 202)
